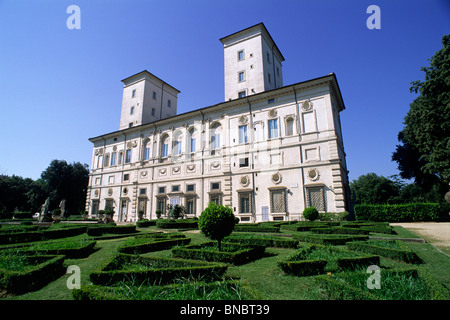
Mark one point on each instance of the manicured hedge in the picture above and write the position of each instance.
(155, 270)
(329, 239)
(315, 259)
(262, 240)
(353, 285)
(255, 227)
(100, 229)
(145, 223)
(340, 230)
(177, 223)
(155, 245)
(43, 270)
(231, 252)
(402, 253)
(71, 249)
(398, 212)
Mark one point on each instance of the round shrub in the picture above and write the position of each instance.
(216, 222)
(311, 213)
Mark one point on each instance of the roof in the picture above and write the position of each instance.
(254, 27)
(145, 72)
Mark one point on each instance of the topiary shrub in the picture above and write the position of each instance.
(311, 213)
(216, 222)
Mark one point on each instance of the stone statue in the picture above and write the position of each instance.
(62, 206)
(44, 210)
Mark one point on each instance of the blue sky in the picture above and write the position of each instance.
(59, 87)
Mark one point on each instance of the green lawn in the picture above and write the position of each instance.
(262, 278)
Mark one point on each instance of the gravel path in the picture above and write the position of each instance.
(436, 233)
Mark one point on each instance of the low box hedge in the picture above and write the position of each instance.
(255, 227)
(397, 284)
(340, 230)
(305, 226)
(145, 223)
(154, 270)
(315, 259)
(101, 229)
(41, 270)
(71, 249)
(398, 212)
(155, 245)
(396, 250)
(233, 253)
(329, 239)
(262, 240)
(177, 223)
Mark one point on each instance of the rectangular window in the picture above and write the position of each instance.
(315, 197)
(278, 201)
(132, 110)
(175, 188)
(193, 144)
(241, 55)
(154, 95)
(130, 124)
(177, 148)
(215, 186)
(190, 205)
(216, 198)
(243, 162)
(190, 187)
(126, 177)
(169, 103)
(128, 156)
(161, 190)
(133, 93)
(113, 158)
(242, 94)
(161, 205)
(165, 150)
(269, 78)
(153, 112)
(142, 191)
(243, 134)
(175, 201)
(245, 202)
(241, 76)
(273, 128)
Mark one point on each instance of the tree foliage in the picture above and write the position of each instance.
(216, 222)
(425, 149)
(59, 181)
(374, 189)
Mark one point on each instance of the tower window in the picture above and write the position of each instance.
(242, 94)
(241, 76)
(133, 93)
(241, 55)
(132, 110)
(153, 111)
(169, 103)
(154, 95)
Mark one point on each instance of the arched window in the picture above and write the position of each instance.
(192, 140)
(177, 143)
(289, 126)
(164, 146)
(120, 157)
(216, 131)
(106, 163)
(147, 145)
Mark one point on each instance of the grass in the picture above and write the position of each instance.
(262, 278)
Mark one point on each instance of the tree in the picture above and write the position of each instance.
(66, 181)
(216, 222)
(426, 135)
(374, 189)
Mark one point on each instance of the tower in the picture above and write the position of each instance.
(253, 62)
(146, 98)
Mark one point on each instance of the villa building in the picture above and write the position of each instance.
(268, 151)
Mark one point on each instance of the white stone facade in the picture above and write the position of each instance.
(268, 156)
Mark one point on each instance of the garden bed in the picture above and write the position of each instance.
(262, 240)
(20, 273)
(233, 253)
(255, 227)
(72, 249)
(154, 270)
(407, 284)
(153, 242)
(329, 239)
(392, 249)
(184, 290)
(317, 259)
(177, 223)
